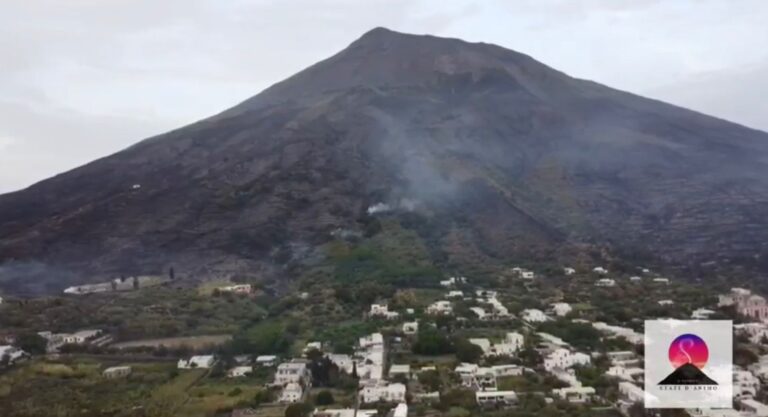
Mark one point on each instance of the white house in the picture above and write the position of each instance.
(116, 372)
(440, 308)
(292, 392)
(476, 377)
(467, 372)
(199, 361)
(527, 275)
(344, 412)
(382, 391)
(753, 408)
(455, 294)
(499, 310)
(745, 384)
(503, 349)
(401, 410)
(552, 340)
(453, 281)
(635, 278)
(495, 398)
(574, 394)
(515, 338)
(507, 370)
(622, 357)
(344, 362)
(479, 312)
(313, 346)
(533, 315)
(567, 376)
(569, 271)
(736, 296)
(370, 372)
(237, 288)
(80, 337)
(605, 282)
(396, 370)
(631, 392)
(484, 344)
(374, 339)
(239, 371)
(411, 327)
(294, 371)
(266, 360)
(626, 374)
(382, 310)
(666, 302)
(14, 354)
(661, 280)
(564, 359)
(561, 309)
(599, 270)
(701, 314)
(618, 331)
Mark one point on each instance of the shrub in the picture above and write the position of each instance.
(324, 398)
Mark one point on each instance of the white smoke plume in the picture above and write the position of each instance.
(379, 208)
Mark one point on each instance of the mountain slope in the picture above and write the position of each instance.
(485, 153)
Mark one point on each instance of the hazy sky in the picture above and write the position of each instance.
(80, 79)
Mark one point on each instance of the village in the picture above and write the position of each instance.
(463, 351)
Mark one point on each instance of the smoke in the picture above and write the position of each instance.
(379, 208)
(404, 204)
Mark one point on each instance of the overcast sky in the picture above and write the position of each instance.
(80, 79)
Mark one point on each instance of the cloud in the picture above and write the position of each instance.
(735, 95)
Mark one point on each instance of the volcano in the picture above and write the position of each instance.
(477, 155)
(687, 374)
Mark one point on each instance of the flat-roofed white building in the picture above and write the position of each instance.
(117, 372)
(561, 309)
(496, 398)
(574, 394)
(533, 315)
(294, 371)
(199, 361)
(382, 391)
(564, 359)
(441, 307)
(239, 371)
(631, 392)
(292, 393)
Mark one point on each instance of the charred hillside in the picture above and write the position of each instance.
(483, 153)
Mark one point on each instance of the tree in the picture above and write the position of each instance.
(459, 397)
(431, 341)
(298, 410)
(325, 373)
(467, 351)
(32, 343)
(324, 397)
(430, 380)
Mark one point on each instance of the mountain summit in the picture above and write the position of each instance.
(473, 153)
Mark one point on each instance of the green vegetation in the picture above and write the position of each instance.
(431, 342)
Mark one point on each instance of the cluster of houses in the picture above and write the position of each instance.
(383, 382)
(747, 304)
